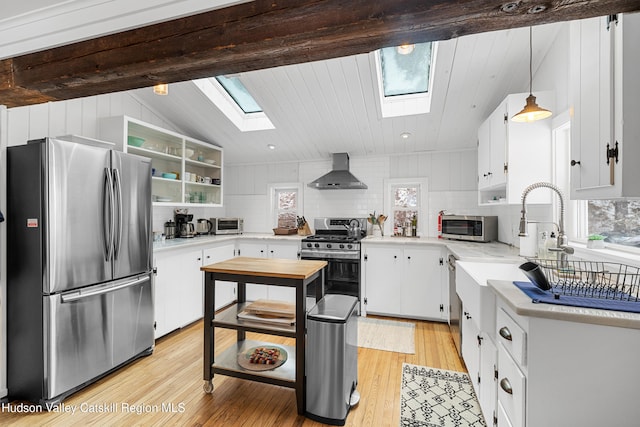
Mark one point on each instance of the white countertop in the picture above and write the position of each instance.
(183, 242)
(519, 302)
(482, 252)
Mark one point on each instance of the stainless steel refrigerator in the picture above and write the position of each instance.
(79, 259)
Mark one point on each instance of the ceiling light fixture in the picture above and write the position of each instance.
(271, 146)
(405, 135)
(405, 49)
(531, 111)
(161, 89)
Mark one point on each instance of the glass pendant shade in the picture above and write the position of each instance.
(531, 112)
(161, 89)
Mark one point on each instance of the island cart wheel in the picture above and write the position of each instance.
(208, 387)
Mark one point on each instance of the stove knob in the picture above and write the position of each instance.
(349, 246)
(309, 245)
(317, 245)
(341, 246)
(328, 245)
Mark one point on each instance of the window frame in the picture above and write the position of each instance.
(423, 202)
(274, 189)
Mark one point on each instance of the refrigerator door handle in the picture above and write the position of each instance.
(109, 222)
(118, 197)
(75, 296)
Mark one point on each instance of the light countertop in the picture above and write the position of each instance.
(521, 304)
(182, 242)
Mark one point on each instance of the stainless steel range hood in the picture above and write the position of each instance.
(339, 178)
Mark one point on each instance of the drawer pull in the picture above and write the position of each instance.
(506, 386)
(505, 333)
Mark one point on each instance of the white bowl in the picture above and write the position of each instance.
(210, 161)
(188, 152)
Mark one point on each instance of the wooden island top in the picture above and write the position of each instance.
(267, 267)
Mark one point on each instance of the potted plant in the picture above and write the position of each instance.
(595, 241)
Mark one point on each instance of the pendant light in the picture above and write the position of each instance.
(531, 111)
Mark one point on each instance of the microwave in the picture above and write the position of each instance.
(471, 228)
(227, 225)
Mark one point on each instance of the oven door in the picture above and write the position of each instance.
(342, 275)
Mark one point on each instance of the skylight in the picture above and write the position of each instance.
(405, 78)
(234, 101)
(240, 94)
(405, 71)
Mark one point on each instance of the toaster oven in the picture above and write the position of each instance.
(227, 225)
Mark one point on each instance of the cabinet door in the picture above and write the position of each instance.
(499, 121)
(592, 94)
(190, 285)
(383, 268)
(484, 154)
(470, 347)
(254, 250)
(421, 294)
(160, 300)
(488, 385)
(179, 290)
(225, 291)
(285, 250)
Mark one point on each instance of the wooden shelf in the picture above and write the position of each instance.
(226, 363)
(228, 319)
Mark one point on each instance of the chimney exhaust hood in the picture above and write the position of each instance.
(339, 178)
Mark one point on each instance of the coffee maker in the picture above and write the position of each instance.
(184, 225)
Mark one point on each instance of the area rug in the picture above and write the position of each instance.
(436, 397)
(388, 335)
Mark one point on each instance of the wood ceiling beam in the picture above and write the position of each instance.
(264, 34)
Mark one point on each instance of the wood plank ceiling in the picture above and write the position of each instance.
(314, 76)
(264, 34)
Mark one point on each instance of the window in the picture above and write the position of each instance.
(234, 100)
(406, 204)
(617, 220)
(240, 94)
(286, 205)
(405, 78)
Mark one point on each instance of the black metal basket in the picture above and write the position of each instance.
(592, 279)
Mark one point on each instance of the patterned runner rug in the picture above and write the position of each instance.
(436, 397)
(389, 335)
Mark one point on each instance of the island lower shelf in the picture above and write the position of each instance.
(228, 319)
(226, 363)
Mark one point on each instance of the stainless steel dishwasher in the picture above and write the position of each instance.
(455, 306)
(332, 359)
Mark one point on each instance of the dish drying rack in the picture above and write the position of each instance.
(592, 279)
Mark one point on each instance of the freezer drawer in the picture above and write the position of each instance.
(94, 330)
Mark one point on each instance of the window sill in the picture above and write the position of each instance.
(607, 254)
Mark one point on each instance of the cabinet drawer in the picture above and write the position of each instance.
(503, 419)
(511, 388)
(511, 336)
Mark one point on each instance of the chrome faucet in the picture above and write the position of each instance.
(562, 248)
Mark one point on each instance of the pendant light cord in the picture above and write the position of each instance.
(530, 61)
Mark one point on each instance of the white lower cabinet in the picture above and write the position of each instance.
(403, 280)
(179, 296)
(558, 373)
(225, 291)
(256, 249)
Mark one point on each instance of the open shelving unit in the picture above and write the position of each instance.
(196, 164)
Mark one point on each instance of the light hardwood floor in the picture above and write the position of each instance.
(166, 388)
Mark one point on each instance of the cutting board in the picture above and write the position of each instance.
(274, 308)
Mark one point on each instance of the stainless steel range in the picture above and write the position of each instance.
(337, 241)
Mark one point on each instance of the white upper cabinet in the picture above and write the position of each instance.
(512, 155)
(605, 101)
(185, 171)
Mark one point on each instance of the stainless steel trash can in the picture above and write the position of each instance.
(332, 359)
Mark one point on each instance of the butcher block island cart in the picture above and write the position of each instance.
(266, 271)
